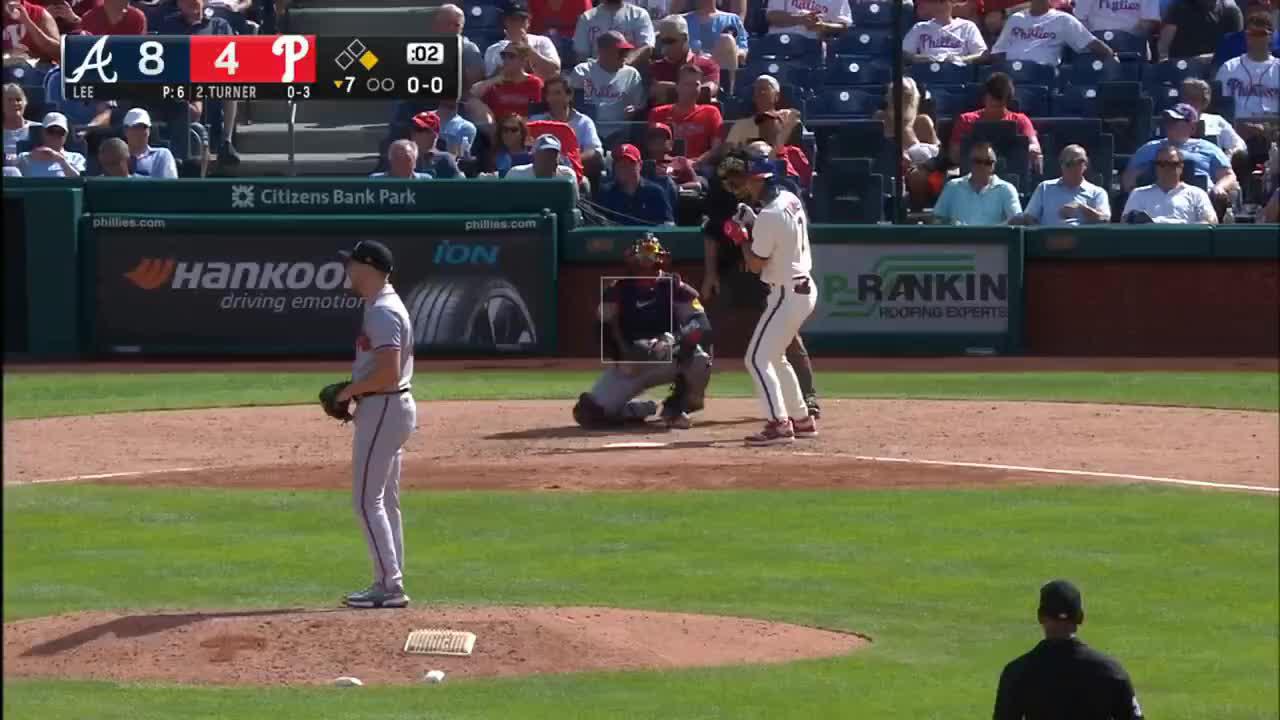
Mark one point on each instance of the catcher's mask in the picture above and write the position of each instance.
(646, 256)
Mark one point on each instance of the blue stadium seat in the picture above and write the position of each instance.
(787, 46)
(876, 14)
(838, 102)
(1164, 96)
(783, 71)
(858, 71)
(944, 73)
(857, 42)
(1090, 70)
(483, 16)
(1125, 44)
(1076, 101)
(848, 192)
(1032, 100)
(1173, 72)
(1024, 73)
(950, 101)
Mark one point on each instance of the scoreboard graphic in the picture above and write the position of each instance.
(260, 67)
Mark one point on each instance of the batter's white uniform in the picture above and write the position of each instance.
(781, 234)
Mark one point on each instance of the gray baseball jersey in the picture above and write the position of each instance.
(611, 92)
(384, 421)
(633, 22)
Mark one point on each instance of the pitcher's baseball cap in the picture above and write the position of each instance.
(371, 253)
(1061, 600)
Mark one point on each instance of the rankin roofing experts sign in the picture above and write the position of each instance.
(900, 288)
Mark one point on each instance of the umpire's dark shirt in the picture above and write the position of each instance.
(1065, 680)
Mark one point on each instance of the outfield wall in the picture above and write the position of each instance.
(223, 267)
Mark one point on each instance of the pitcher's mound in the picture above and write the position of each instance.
(290, 647)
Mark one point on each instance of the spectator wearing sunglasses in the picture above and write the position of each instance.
(979, 198)
(1069, 199)
(1203, 158)
(1169, 200)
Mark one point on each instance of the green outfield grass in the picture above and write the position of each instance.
(944, 582)
(29, 395)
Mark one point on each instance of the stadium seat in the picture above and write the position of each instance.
(483, 16)
(948, 102)
(1032, 100)
(1173, 72)
(842, 102)
(1089, 70)
(757, 20)
(1076, 101)
(852, 139)
(1165, 97)
(1024, 73)
(944, 73)
(856, 42)
(858, 71)
(1125, 44)
(877, 14)
(783, 71)
(787, 46)
(849, 192)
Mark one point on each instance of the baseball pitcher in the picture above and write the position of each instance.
(386, 414)
(654, 324)
(775, 244)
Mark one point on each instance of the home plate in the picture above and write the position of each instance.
(635, 445)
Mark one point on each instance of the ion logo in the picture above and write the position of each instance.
(448, 253)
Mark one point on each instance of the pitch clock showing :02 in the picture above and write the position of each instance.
(424, 53)
(434, 85)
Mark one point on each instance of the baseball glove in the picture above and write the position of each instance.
(333, 408)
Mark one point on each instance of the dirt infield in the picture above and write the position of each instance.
(306, 647)
(533, 445)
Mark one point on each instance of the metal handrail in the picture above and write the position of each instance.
(293, 111)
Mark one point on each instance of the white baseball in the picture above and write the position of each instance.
(434, 676)
(346, 681)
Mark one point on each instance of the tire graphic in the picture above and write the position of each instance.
(477, 312)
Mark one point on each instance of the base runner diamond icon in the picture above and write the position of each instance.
(344, 60)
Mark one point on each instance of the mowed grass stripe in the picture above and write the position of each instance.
(30, 395)
(943, 581)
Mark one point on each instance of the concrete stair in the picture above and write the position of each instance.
(331, 137)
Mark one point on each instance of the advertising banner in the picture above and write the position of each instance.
(247, 286)
(911, 288)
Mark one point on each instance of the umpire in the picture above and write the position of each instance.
(728, 288)
(1062, 678)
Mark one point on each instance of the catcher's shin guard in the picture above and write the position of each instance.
(696, 373)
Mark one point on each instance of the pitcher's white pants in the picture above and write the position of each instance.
(775, 379)
(383, 424)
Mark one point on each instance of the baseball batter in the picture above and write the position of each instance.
(384, 418)
(775, 244)
(655, 318)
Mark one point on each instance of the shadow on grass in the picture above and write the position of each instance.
(139, 625)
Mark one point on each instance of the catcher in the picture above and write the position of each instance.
(655, 327)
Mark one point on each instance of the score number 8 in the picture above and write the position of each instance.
(435, 85)
(151, 60)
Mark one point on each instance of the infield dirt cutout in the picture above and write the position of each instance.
(534, 445)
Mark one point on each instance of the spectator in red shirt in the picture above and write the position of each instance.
(697, 125)
(114, 17)
(31, 31)
(556, 17)
(997, 92)
(674, 53)
(510, 92)
(67, 16)
(658, 145)
(797, 163)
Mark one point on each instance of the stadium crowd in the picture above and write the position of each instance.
(1056, 112)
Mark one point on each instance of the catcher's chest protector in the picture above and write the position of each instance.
(644, 308)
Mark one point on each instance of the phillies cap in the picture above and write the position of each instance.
(627, 152)
(614, 39)
(137, 116)
(1182, 111)
(427, 121)
(371, 253)
(1061, 600)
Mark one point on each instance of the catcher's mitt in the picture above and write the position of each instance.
(329, 401)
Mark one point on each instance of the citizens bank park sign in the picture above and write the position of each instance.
(898, 288)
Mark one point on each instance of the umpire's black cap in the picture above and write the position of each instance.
(1061, 600)
(371, 253)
